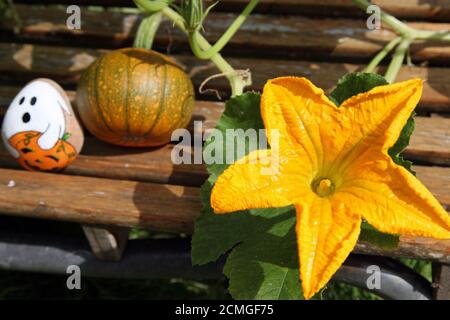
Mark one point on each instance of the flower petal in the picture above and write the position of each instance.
(393, 200)
(253, 183)
(327, 231)
(300, 112)
(377, 118)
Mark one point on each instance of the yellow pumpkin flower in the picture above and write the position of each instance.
(335, 169)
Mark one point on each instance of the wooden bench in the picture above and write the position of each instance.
(109, 189)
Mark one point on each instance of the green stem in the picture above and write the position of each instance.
(151, 5)
(403, 29)
(220, 44)
(390, 20)
(431, 35)
(382, 54)
(397, 60)
(147, 31)
(407, 35)
(237, 82)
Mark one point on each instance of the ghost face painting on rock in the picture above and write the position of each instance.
(39, 128)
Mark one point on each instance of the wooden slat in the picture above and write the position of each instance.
(154, 165)
(430, 143)
(99, 201)
(412, 9)
(432, 135)
(21, 63)
(107, 161)
(261, 35)
(438, 185)
(161, 207)
(412, 247)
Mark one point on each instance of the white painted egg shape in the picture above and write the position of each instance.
(40, 128)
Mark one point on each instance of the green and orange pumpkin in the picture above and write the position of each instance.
(135, 97)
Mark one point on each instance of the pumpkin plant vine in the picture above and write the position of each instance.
(405, 36)
(340, 174)
(189, 17)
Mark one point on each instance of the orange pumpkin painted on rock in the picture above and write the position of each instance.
(33, 158)
(135, 97)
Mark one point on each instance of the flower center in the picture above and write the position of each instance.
(323, 187)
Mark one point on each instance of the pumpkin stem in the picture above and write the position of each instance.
(147, 31)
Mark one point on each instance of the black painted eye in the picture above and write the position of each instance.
(26, 117)
(33, 101)
(22, 100)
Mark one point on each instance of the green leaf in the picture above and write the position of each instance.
(241, 112)
(375, 237)
(354, 83)
(215, 234)
(266, 266)
(254, 271)
(401, 144)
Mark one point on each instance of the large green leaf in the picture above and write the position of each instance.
(216, 234)
(267, 266)
(240, 113)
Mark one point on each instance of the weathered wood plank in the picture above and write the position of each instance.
(439, 186)
(146, 165)
(411, 9)
(162, 207)
(433, 135)
(430, 143)
(103, 160)
(412, 247)
(261, 35)
(23, 62)
(98, 201)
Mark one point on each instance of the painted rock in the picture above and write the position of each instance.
(40, 128)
